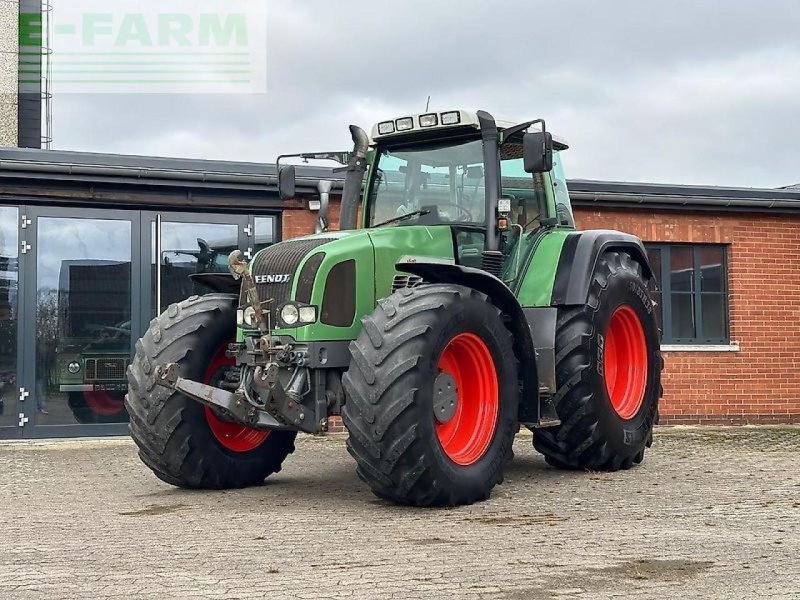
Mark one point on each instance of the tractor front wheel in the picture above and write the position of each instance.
(608, 372)
(183, 442)
(431, 397)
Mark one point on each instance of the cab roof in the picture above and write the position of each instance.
(443, 121)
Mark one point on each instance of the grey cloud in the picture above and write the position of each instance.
(684, 92)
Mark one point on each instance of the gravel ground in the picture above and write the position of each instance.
(711, 513)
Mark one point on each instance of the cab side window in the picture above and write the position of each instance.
(527, 192)
(563, 205)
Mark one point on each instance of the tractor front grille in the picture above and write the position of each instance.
(277, 262)
(104, 369)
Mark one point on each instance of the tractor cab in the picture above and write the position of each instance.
(454, 169)
(493, 183)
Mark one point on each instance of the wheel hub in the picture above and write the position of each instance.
(468, 366)
(445, 397)
(625, 362)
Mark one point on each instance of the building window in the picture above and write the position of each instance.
(692, 292)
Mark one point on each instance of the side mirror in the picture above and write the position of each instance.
(286, 182)
(537, 152)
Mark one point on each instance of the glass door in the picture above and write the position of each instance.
(181, 245)
(78, 287)
(12, 419)
(83, 313)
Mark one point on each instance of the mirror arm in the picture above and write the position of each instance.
(507, 133)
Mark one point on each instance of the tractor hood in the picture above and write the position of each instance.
(341, 273)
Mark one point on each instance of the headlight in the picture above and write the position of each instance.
(308, 314)
(74, 367)
(431, 120)
(290, 315)
(451, 118)
(249, 317)
(296, 315)
(386, 127)
(405, 124)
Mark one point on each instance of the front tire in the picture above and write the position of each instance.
(184, 443)
(431, 397)
(608, 372)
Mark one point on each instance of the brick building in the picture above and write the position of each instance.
(75, 225)
(731, 307)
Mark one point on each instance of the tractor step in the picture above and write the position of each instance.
(548, 417)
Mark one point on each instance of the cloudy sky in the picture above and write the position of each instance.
(687, 91)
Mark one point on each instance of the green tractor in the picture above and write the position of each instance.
(465, 305)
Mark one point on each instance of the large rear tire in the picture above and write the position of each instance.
(184, 443)
(608, 372)
(431, 397)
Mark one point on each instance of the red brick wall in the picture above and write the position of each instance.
(761, 382)
(298, 220)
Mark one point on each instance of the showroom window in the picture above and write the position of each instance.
(692, 292)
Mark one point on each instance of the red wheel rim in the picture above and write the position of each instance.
(234, 437)
(103, 403)
(625, 362)
(466, 437)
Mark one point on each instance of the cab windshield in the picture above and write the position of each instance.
(445, 182)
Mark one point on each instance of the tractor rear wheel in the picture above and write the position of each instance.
(182, 441)
(608, 372)
(431, 397)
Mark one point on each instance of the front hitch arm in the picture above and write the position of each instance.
(233, 405)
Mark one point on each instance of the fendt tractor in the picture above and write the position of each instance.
(463, 306)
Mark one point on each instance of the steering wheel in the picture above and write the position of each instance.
(461, 211)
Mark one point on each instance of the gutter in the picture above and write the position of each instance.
(154, 176)
(676, 202)
(583, 193)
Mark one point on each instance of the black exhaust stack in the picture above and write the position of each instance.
(492, 260)
(354, 179)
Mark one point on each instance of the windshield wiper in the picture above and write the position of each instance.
(415, 213)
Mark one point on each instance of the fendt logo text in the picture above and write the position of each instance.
(272, 278)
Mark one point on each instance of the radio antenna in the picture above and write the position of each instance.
(428, 104)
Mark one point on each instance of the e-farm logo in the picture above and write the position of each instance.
(130, 46)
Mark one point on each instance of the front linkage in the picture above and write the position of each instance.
(273, 382)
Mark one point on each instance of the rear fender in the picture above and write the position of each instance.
(579, 257)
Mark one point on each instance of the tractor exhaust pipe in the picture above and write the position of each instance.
(492, 258)
(354, 179)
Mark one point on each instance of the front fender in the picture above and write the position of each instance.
(217, 282)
